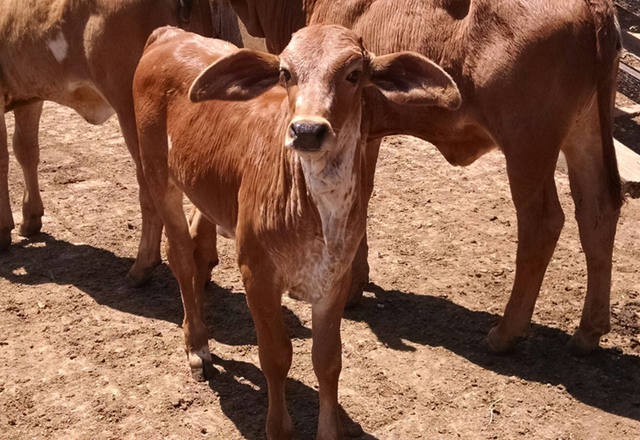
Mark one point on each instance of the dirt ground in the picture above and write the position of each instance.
(84, 356)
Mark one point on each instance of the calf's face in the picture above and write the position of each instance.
(324, 70)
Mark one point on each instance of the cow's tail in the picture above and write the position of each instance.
(608, 45)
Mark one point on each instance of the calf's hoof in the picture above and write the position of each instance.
(497, 343)
(355, 290)
(202, 368)
(138, 276)
(31, 226)
(582, 344)
(5, 239)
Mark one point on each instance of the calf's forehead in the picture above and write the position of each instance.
(321, 50)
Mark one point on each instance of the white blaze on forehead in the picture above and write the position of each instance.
(169, 143)
(59, 47)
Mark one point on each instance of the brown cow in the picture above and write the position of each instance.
(280, 168)
(82, 54)
(537, 77)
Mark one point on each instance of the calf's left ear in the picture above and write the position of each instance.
(408, 78)
(242, 75)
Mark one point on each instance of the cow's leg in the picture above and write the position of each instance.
(327, 358)
(167, 198)
(274, 344)
(6, 218)
(359, 273)
(181, 255)
(204, 235)
(597, 215)
(149, 247)
(27, 151)
(360, 265)
(540, 220)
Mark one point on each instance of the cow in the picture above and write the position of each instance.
(82, 54)
(271, 150)
(537, 77)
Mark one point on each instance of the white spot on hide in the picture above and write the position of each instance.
(59, 47)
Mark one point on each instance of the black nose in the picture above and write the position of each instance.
(308, 136)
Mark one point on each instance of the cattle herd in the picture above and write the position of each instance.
(278, 150)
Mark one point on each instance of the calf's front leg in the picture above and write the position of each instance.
(327, 357)
(274, 345)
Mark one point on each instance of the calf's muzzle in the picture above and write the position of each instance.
(308, 134)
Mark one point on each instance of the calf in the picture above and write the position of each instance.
(282, 168)
(537, 77)
(83, 54)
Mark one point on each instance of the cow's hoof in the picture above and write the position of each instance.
(202, 368)
(497, 343)
(138, 276)
(354, 298)
(582, 344)
(356, 290)
(5, 239)
(31, 226)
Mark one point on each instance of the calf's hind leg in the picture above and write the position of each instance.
(204, 235)
(360, 265)
(181, 254)
(27, 151)
(6, 218)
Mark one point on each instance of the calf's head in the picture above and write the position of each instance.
(324, 70)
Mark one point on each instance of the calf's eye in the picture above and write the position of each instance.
(354, 76)
(285, 76)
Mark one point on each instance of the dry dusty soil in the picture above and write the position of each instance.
(84, 356)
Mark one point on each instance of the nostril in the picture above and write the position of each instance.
(307, 135)
(309, 128)
(320, 131)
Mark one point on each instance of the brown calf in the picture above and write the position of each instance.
(82, 54)
(283, 169)
(537, 77)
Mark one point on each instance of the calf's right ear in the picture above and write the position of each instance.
(242, 75)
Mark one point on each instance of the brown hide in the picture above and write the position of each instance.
(537, 77)
(82, 54)
(282, 168)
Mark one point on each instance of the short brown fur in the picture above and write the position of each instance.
(537, 77)
(297, 215)
(82, 54)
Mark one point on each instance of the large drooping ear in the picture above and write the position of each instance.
(408, 78)
(242, 75)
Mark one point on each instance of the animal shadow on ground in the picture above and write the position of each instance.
(243, 397)
(101, 274)
(606, 379)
